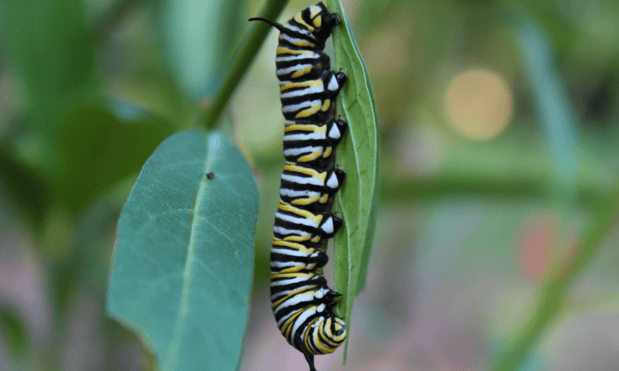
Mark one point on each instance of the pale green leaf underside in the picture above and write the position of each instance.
(358, 155)
(183, 261)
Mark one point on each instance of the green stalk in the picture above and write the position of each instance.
(553, 291)
(248, 50)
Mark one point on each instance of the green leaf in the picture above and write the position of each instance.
(358, 155)
(182, 266)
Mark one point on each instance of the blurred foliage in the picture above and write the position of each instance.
(88, 89)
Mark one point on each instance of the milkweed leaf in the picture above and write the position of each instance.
(358, 155)
(183, 261)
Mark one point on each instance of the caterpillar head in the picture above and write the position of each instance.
(333, 333)
(337, 328)
(315, 19)
(321, 21)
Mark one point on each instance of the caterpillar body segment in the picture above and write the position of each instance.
(306, 141)
(308, 187)
(298, 225)
(294, 258)
(311, 99)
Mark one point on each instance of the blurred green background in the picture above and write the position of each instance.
(499, 125)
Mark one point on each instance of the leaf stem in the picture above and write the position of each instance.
(248, 51)
(553, 291)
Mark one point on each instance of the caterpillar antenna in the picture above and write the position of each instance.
(276, 25)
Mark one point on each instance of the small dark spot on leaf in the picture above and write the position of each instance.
(210, 175)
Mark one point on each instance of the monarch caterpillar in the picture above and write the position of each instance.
(302, 303)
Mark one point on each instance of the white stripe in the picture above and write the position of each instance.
(301, 180)
(292, 193)
(302, 92)
(301, 318)
(296, 107)
(278, 264)
(279, 295)
(311, 136)
(290, 281)
(300, 151)
(285, 71)
(286, 232)
(293, 40)
(288, 58)
(298, 299)
(298, 30)
(290, 252)
(296, 220)
(281, 322)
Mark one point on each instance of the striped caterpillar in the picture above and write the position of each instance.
(301, 300)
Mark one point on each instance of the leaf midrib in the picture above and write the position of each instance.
(183, 310)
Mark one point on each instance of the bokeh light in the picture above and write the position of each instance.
(478, 104)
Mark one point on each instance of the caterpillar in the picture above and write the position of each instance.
(302, 302)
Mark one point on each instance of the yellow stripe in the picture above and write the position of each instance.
(296, 246)
(304, 127)
(302, 71)
(302, 43)
(299, 18)
(318, 21)
(296, 268)
(283, 50)
(309, 111)
(307, 276)
(290, 166)
(307, 201)
(285, 85)
(326, 105)
(298, 239)
(300, 212)
(289, 324)
(311, 157)
(321, 346)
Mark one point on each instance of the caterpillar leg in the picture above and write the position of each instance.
(334, 81)
(333, 20)
(330, 226)
(336, 130)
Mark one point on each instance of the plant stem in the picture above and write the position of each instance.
(553, 292)
(248, 50)
(420, 188)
